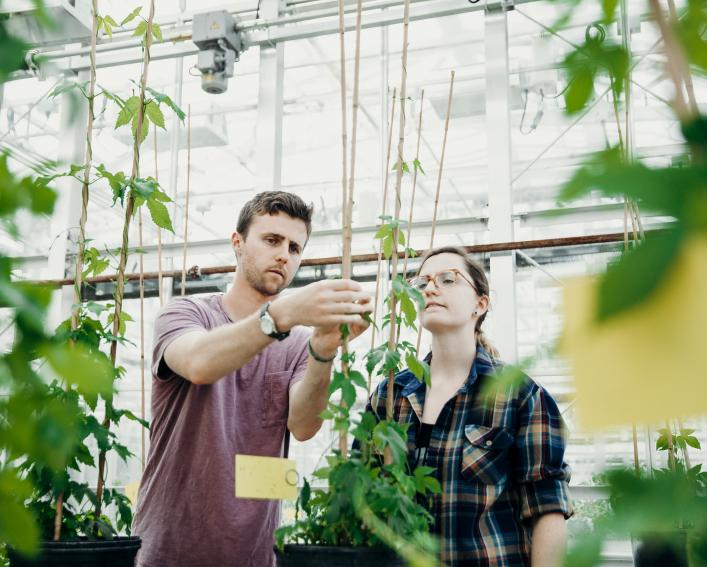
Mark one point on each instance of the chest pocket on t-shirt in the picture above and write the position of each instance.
(276, 398)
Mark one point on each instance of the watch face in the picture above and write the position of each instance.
(266, 325)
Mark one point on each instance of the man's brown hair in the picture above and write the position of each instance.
(273, 202)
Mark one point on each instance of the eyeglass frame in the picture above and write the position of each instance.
(433, 278)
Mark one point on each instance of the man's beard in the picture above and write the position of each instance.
(257, 280)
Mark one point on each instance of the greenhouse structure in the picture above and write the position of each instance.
(353, 283)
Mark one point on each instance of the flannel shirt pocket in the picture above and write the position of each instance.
(485, 453)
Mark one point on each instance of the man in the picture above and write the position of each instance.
(230, 372)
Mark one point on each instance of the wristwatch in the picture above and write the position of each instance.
(267, 324)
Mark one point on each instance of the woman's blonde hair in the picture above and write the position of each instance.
(481, 283)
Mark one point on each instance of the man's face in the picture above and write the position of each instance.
(271, 253)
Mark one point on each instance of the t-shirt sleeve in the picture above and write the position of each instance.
(178, 317)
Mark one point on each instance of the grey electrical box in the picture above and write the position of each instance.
(220, 44)
(211, 28)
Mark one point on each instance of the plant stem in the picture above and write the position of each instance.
(392, 339)
(439, 183)
(675, 62)
(129, 208)
(414, 184)
(345, 222)
(159, 232)
(347, 213)
(384, 208)
(78, 281)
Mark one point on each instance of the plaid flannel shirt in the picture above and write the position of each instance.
(499, 462)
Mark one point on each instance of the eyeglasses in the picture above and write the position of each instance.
(443, 279)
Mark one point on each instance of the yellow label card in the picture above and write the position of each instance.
(268, 478)
(649, 363)
(131, 490)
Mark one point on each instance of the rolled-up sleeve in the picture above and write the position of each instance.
(541, 474)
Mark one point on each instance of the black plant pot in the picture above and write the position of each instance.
(117, 552)
(661, 549)
(295, 555)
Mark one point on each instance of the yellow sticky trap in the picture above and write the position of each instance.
(649, 363)
(131, 491)
(266, 478)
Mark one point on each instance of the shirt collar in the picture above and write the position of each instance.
(483, 365)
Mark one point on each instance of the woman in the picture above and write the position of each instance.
(498, 456)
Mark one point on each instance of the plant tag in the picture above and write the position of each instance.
(648, 364)
(268, 478)
(131, 490)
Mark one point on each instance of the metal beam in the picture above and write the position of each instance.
(177, 41)
(502, 319)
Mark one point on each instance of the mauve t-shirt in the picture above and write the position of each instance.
(187, 513)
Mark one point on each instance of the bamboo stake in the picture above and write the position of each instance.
(130, 206)
(675, 62)
(441, 159)
(346, 256)
(684, 65)
(439, 185)
(414, 184)
(142, 342)
(78, 280)
(671, 447)
(159, 234)
(186, 204)
(388, 456)
(636, 461)
(384, 208)
(685, 454)
(344, 125)
(348, 212)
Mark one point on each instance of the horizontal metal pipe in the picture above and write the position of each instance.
(359, 258)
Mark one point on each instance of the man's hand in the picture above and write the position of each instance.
(325, 305)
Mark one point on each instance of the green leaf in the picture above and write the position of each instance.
(157, 32)
(387, 243)
(632, 279)
(141, 29)
(579, 90)
(152, 110)
(418, 166)
(128, 111)
(18, 527)
(383, 231)
(110, 20)
(164, 99)
(693, 442)
(160, 214)
(415, 366)
(348, 393)
(391, 361)
(608, 9)
(89, 372)
(144, 128)
(12, 52)
(358, 378)
(131, 16)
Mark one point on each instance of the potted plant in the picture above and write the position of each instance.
(371, 500)
(70, 515)
(36, 422)
(669, 546)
